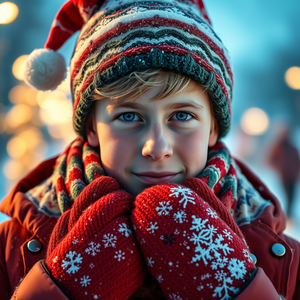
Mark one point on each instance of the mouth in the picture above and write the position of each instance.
(155, 178)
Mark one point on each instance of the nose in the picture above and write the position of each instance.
(156, 145)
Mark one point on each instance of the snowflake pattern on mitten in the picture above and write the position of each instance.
(190, 250)
(99, 258)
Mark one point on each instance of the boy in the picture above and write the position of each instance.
(146, 203)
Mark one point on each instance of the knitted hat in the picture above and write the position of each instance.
(121, 36)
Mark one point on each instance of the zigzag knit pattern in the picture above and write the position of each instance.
(126, 36)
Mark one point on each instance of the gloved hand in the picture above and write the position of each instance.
(98, 257)
(190, 250)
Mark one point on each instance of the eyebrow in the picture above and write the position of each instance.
(135, 105)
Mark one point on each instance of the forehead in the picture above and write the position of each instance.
(192, 93)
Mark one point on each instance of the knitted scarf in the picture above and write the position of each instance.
(80, 164)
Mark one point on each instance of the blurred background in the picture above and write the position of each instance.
(263, 38)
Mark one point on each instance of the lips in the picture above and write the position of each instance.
(155, 178)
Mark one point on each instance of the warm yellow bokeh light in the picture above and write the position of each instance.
(62, 131)
(16, 147)
(55, 107)
(13, 169)
(65, 86)
(31, 97)
(19, 67)
(18, 94)
(292, 78)
(19, 114)
(254, 121)
(8, 12)
(33, 137)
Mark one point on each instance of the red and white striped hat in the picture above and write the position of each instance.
(121, 36)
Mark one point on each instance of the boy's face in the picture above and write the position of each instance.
(144, 143)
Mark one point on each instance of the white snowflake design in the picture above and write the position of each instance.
(185, 193)
(75, 241)
(92, 266)
(237, 268)
(93, 249)
(180, 216)
(227, 234)
(247, 255)
(109, 240)
(85, 281)
(152, 227)
(221, 262)
(120, 255)
(150, 262)
(164, 208)
(125, 230)
(212, 213)
(198, 223)
(208, 245)
(159, 278)
(72, 265)
(174, 297)
(224, 288)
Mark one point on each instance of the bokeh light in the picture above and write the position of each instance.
(19, 114)
(17, 94)
(55, 108)
(19, 67)
(292, 78)
(13, 169)
(254, 121)
(8, 12)
(16, 147)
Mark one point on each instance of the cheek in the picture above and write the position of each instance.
(115, 148)
(192, 149)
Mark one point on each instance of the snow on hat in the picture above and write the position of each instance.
(121, 36)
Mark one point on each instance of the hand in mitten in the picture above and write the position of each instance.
(99, 257)
(191, 251)
(91, 193)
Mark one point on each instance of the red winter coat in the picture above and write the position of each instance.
(27, 224)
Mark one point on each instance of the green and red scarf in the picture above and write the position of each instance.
(80, 164)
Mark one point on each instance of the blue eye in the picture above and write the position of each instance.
(183, 116)
(128, 117)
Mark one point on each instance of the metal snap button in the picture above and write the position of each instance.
(278, 250)
(253, 258)
(34, 246)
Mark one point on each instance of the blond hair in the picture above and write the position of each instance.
(133, 85)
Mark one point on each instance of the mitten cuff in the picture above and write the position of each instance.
(260, 288)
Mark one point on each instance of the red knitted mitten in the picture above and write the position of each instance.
(92, 192)
(191, 251)
(99, 257)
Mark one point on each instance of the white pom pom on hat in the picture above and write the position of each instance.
(45, 69)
